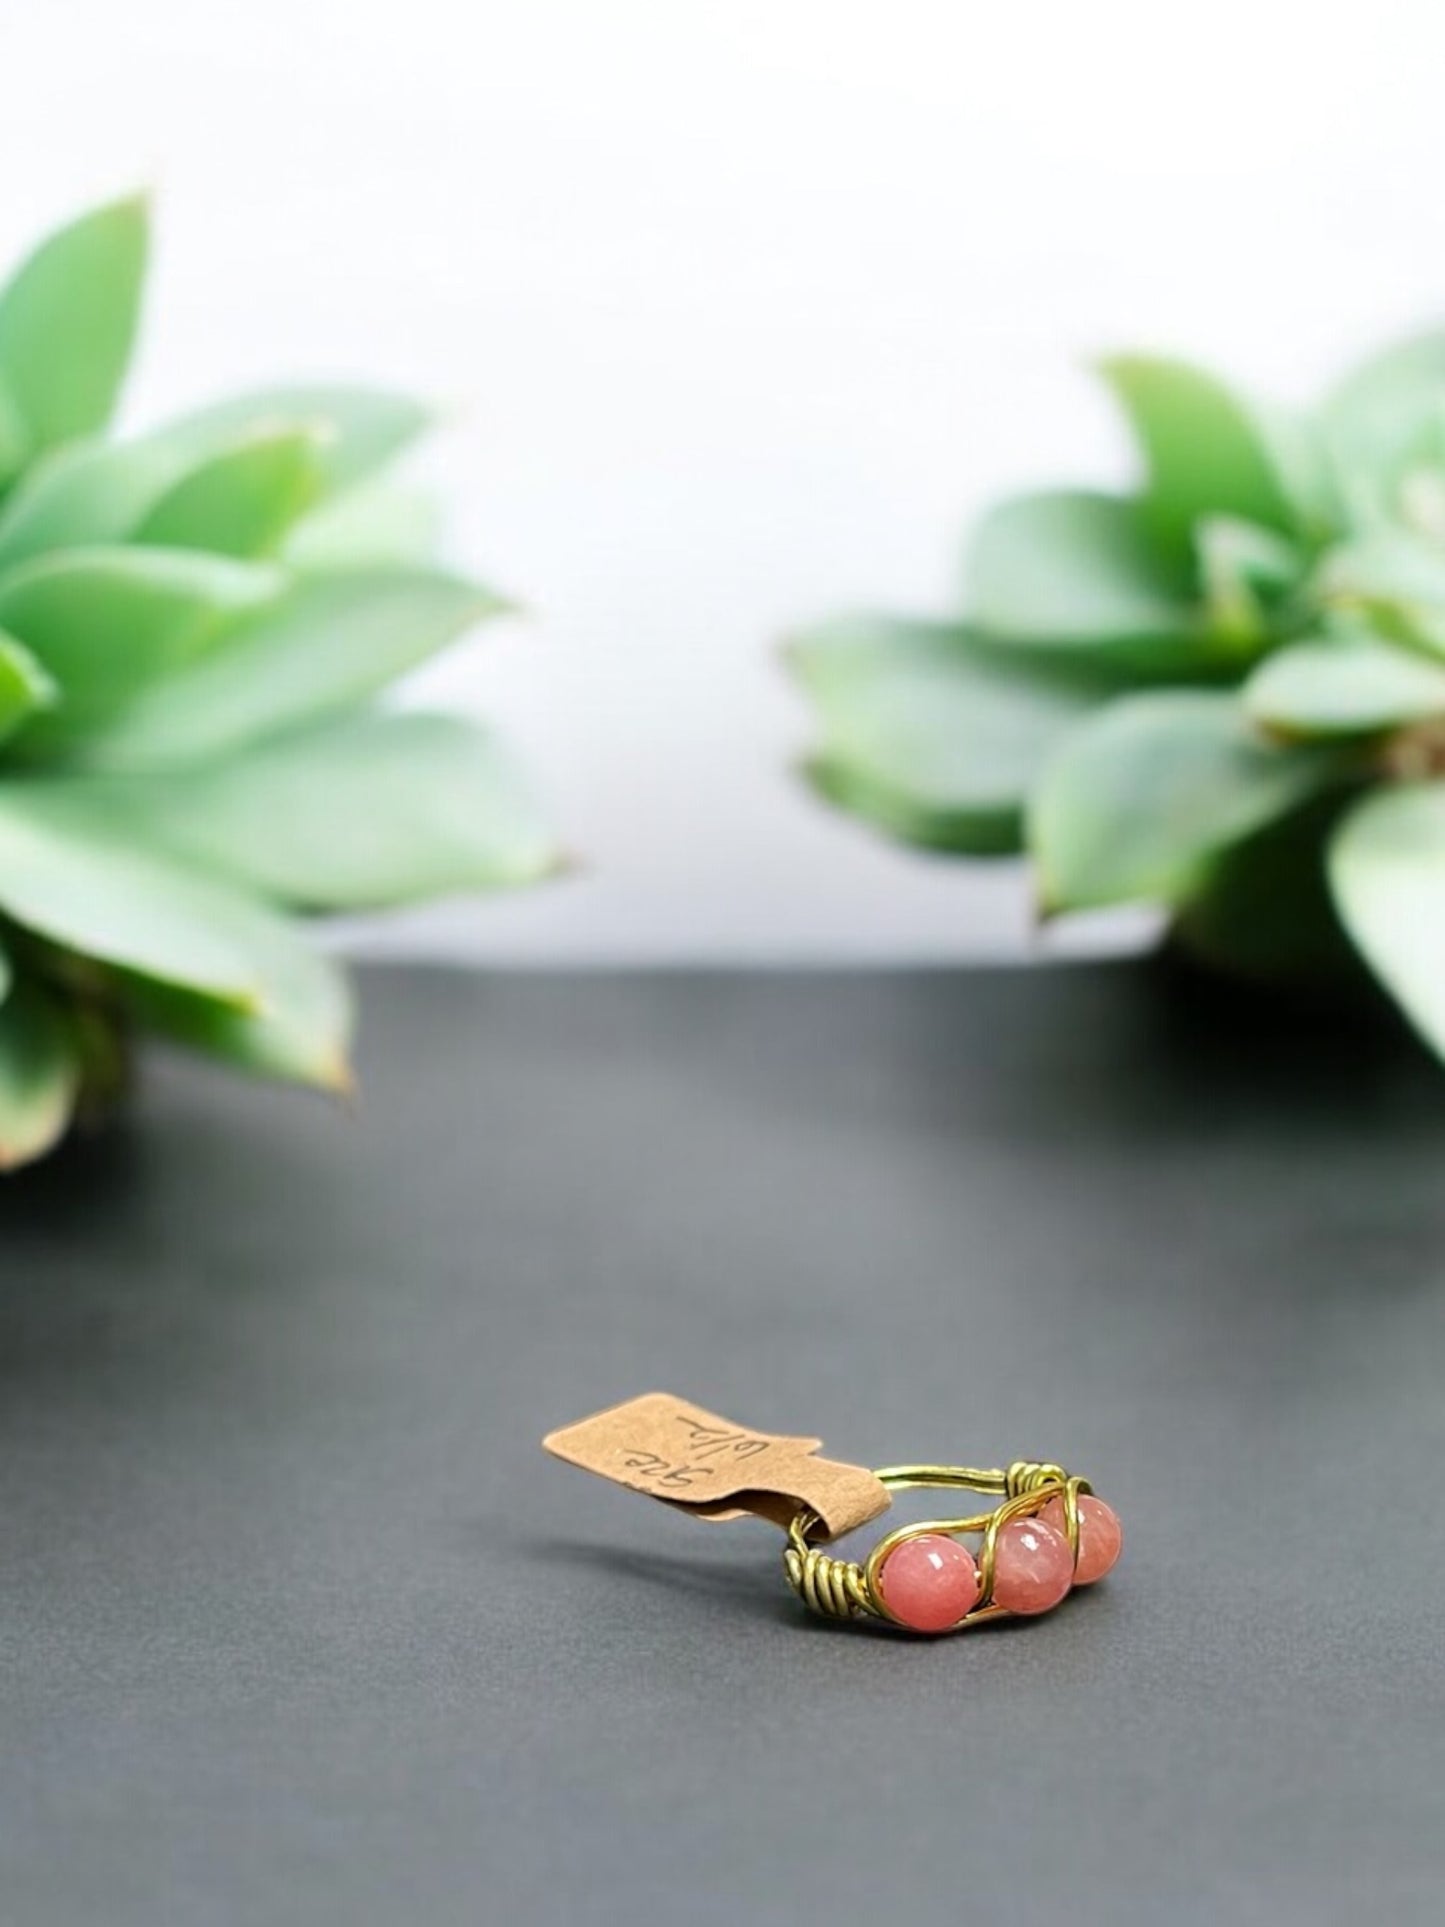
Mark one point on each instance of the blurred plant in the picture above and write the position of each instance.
(195, 627)
(1224, 695)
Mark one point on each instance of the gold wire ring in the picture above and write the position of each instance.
(851, 1589)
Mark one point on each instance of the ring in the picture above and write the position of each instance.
(1047, 1534)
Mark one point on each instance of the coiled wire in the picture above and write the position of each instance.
(837, 1588)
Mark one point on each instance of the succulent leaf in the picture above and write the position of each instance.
(195, 627)
(243, 500)
(929, 732)
(1143, 797)
(39, 1075)
(1265, 913)
(300, 1026)
(1247, 575)
(359, 429)
(1387, 873)
(1076, 573)
(98, 492)
(1393, 580)
(67, 324)
(1376, 411)
(106, 624)
(1209, 453)
(898, 813)
(382, 521)
(24, 685)
(69, 875)
(14, 439)
(327, 643)
(359, 811)
(1263, 755)
(84, 495)
(1344, 685)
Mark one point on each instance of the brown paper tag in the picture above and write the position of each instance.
(679, 1453)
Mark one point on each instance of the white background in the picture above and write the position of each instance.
(745, 308)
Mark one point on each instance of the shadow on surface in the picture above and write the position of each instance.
(749, 1585)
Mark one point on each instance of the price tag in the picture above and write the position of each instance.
(715, 1469)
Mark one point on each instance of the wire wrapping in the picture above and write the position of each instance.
(836, 1588)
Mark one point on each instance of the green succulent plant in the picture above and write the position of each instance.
(197, 629)
(1222, 695)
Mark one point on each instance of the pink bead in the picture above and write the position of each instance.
(1033, 1567)
(929, 1583)
(1101, 1537)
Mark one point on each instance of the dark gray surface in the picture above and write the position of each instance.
(299, 1626)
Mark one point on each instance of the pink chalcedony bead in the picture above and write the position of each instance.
(1101, 1537)
(1033, 1567)
(929, 1583)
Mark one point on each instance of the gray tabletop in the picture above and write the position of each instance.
(299, 1626)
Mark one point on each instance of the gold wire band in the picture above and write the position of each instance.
(849, 1588)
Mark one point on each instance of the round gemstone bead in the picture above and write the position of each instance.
(929, 1583)
(1101, 1537)
(1033, 1567)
